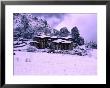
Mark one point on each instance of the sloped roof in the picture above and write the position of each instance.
(42, 36)
(66, 37)
(62, 41)
(54, 37)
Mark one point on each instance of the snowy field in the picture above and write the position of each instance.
(42, 63)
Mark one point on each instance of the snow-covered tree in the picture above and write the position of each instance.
(80, 40)
(77, 39)
(64, 32)
(47, 31)
(21, 25)
(55, 32)
(75, 32)
(25, 22)
(91, 44)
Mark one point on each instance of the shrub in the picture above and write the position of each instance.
(31, 49)
(91, 44)
(80, 50)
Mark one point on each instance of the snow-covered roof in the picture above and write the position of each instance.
(62, 41)
(42, 36)
(58, 40)
(54, 37)
(66, 37)
(66, 41)
(32, 42)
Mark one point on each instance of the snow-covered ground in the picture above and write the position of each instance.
(42, 63)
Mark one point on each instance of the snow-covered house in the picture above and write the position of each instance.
(53, 42)
(61, 44)
(42, 41)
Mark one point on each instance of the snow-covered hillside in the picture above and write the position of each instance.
(42, 63)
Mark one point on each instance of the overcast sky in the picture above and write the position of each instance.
(86, 23)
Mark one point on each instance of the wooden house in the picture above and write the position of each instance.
(42, 41)
(61, 44)
(53, 42)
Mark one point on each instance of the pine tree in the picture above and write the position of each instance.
(25, 22)
(77, 39)
(64, 32)
(55, 32)
(75, 32)
(81, 40)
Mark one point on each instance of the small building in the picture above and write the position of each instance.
(42, 41)
(53, 42)
(61, 44)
